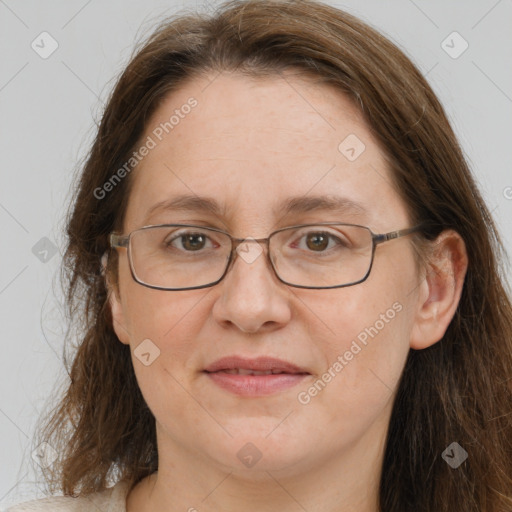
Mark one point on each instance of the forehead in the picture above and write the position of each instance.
(254, 147)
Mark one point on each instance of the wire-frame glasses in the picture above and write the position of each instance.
(318, 256)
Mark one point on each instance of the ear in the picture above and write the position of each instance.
(440, 290)
(115, 304)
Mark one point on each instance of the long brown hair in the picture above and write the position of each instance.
(458, 390)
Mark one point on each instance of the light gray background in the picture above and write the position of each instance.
(47, 111)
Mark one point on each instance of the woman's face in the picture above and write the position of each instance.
(251, 146)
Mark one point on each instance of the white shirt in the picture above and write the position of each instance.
(112, 499)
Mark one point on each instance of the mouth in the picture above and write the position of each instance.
(254, 377)
(246, 371)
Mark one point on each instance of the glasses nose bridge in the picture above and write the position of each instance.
(235, 242)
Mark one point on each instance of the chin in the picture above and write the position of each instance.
(251, 456)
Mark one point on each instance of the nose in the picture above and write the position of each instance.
(252, 298)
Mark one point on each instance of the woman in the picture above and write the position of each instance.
(289, 281)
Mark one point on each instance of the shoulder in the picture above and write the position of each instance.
(112, 499)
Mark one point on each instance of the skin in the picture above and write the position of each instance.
(250, 144)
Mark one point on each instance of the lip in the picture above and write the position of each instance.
(255, 385)
(256, 364)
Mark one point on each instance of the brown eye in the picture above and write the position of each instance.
(193, 242)
(188, 241)
(321, 243)
(317, 241)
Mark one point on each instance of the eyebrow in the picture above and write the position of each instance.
(292, 205)
(336, 204)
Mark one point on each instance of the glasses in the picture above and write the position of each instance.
(316, 256)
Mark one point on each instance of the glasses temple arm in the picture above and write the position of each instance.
(119, 240)
(378, 239)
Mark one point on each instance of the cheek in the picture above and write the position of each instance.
(156, 314)
(164, 329)
(363, 333)
(364, 361)
(166, 326)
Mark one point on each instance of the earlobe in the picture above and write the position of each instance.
(104, 261)
(440, 290)
(118, 319)
(115, 305)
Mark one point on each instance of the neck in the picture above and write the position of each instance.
(341, 482)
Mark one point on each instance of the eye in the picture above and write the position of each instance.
(189, 241)
(320, 241)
